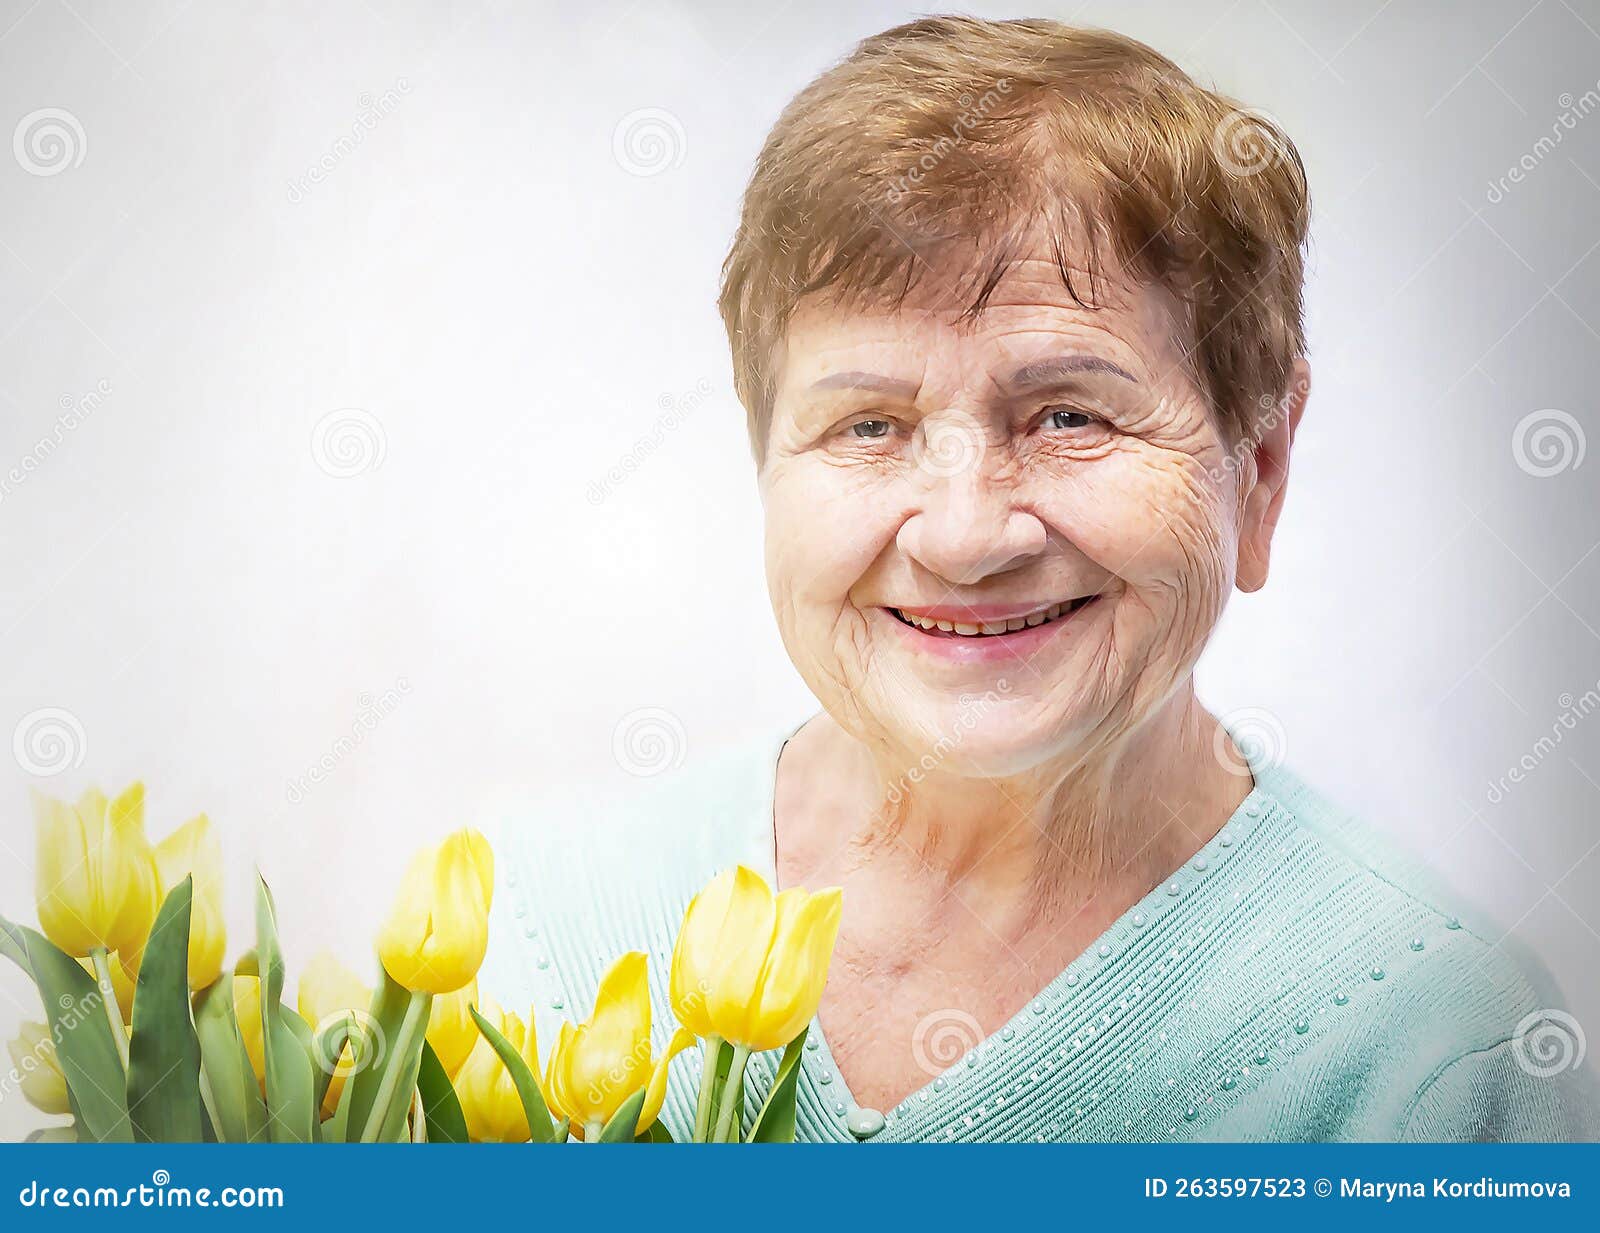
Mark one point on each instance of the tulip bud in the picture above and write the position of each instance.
(597, 1065)
(96, 882)
(33, 1058)
(438, 930)
(328, 989)
(748, 967)
(451, 1031)
(489, 1101)
(193, 850)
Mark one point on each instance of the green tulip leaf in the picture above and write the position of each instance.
(624, 1122)
(14, 946)
(540, 1127)
(327, 1046)
(163, 1054)
(441, 1109)
(658, 1133)
(285, 1039)
(776, 1121)
(241, 1114)
(85, 1047)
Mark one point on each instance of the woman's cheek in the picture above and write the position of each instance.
(1152, 518)
(824, 531)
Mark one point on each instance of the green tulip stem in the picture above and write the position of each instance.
(710, 1047)
(405, 1045)
(108, 1000)
(592, 1131)
(728, 1127)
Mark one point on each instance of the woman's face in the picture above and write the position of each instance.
(992, 541)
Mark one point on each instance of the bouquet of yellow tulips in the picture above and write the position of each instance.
(145, 1039)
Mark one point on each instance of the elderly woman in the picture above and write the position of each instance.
(1015, 311)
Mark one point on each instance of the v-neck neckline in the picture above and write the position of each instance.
(918, 1111)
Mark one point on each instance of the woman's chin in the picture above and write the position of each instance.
(989, 736)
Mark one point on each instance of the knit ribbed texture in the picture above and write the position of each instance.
(1293, 981)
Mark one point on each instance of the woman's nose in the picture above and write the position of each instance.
(968, 529)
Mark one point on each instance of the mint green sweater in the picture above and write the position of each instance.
(1291, 982)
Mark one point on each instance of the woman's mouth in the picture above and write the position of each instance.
(976, 634)
(980, 623)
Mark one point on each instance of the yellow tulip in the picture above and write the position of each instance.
(438, 929)
(749, 967)
(193, 850)
(247, 1010)
(451, 1031)
(329, 989)
(96, 882)
(597, 1065)
(489, 1101)
(33, 1058)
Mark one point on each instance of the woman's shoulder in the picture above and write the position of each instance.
(1468, 1033)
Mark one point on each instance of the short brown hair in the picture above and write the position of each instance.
(985, 134)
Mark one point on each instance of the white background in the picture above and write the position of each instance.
(511, 310)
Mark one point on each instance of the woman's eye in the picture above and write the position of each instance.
(871, 428)
(1063, 417)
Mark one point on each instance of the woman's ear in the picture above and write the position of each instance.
(1260, 506)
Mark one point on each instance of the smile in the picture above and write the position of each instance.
(972, 623)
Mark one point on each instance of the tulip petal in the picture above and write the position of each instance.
(451, 1031)
(743, 943)
(63, 885)
(609, 1057)
(797, 969)
(194, 851)
(656, 1093)
(694, 954)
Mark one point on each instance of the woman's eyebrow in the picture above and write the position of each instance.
(866, 381)
(1046, 372)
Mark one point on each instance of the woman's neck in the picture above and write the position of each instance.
(1104, 823)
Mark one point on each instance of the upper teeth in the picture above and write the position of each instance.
(981, 628)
